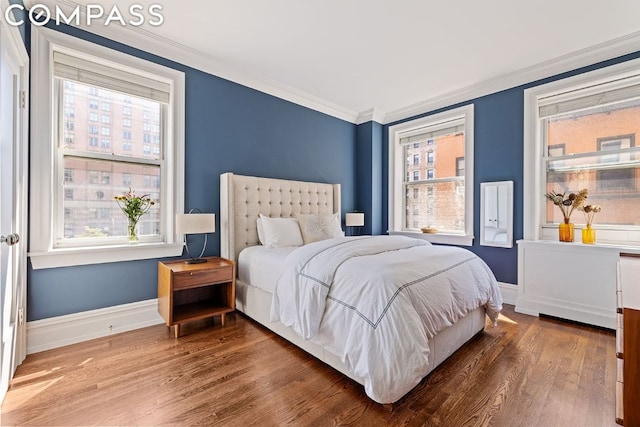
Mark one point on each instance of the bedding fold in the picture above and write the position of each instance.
(375, 301)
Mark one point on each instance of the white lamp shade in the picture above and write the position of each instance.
(195, 223)
(354, 219)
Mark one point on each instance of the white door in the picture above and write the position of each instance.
(13, 66)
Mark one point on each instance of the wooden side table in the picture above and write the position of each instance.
(188, 292)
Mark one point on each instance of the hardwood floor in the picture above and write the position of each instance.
(524, 372)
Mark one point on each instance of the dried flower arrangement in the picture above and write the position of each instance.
(567, 202)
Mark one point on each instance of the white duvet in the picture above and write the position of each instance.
(374, 301)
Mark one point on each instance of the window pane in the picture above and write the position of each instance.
(136, 116)
(606, 162)
(89, 208)
(438, 199)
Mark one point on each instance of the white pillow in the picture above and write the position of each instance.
(315, 227)
(280, 232)
(261, 238)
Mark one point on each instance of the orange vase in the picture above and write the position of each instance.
(565, 232)
(588, 235)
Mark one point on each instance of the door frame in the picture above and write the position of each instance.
(15, 44)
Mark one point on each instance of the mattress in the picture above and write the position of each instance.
(261, 266)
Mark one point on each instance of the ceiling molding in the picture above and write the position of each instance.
(372, 114)
(147, 41)
(562, 64)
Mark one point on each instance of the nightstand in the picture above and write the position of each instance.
(188, 292)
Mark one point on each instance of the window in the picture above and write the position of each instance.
(449, 135)
(416, 159)
(93, 117)
(69, 112)
(68, 70)
(581, 133)
(126, 146)
(126, 111)
(126, 123)
(146, 149)
(68, 175)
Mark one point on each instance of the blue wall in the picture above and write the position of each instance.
(229, 128)
(233, 128)
(498, 153)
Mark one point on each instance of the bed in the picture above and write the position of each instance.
(267, 287)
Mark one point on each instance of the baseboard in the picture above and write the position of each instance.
(509, 292)
(59, 331)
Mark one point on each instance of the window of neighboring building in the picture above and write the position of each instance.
(582, 134)
(73, 70)
(416, 159)
(449, 136)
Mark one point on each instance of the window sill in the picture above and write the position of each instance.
(69, 257)
(441, 238)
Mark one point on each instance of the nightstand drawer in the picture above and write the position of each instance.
(191, 279)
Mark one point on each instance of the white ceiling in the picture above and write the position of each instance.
(355, 55)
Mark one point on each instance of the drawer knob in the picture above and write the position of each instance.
(191, 273)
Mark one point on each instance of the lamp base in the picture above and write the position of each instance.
(195, 261)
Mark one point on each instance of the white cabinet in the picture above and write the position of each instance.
(568, 280)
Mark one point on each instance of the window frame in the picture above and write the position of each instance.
(534, 225)
(396, 159)
(44, 175)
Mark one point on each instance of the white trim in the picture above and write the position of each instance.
(396, 178)
(509, 292)
(69, 329)
(373, 114)
(147, 41)
(533, 205)
(100, 255)
(43, 166)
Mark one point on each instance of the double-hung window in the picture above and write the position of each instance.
(443, 139)
(116, 82)
(581, 133)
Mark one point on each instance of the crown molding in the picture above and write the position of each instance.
(592, 55)
(147, 41)
(372, 114)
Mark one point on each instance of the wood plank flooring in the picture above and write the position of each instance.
(524, 372)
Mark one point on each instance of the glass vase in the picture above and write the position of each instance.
(588, 235)
(565, 232)
(132, 232)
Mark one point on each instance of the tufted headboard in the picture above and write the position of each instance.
(244, 198)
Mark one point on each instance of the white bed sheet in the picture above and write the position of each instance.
(261, 266)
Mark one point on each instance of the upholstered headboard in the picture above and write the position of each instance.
(244, 198)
